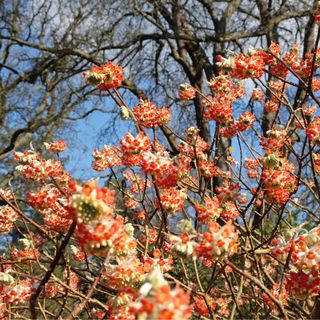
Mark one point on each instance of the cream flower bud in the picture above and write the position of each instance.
(124, 113)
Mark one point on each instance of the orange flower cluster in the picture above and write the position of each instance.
(278, 179)
(218, 107)
(17, 292)
(302, 285)
(187, 92)
(172, 200)
(148, 115)
(98, 231)
(7, 217)
(108, 157)
(305, 250)
(218, 242)
(313, 131)
(107, 76)
(56, 146)
(136, 145)
(158, 301)
(51, 204)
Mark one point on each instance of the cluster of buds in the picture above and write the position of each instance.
(99, 231)
(7, 214)
(157, 164)
(304, 250)
(302, 285)
(137, 183)
(77, 254)
(108, 157)
(36, 169)
(257, 94)
(278, 179)
(218, 109)
(124, 273)
(210, 210)
(148, 115)
(303, 254)
(200, 305)
(187, 92)
(56, 146)
(51, 204)
(245, 121)
(26, 251)
(252, 165)
(183, 246)
(313, 131)
(244, 66)
(279, 294)
(316, 161)
(194, 144)
(228, 192)
(107, 76)
(135, 145)
(157, 260)
(13, 292)
(218, 242)
(172, 200)
(275, 140)
(70, 278)
(157, 300)
(7, 217)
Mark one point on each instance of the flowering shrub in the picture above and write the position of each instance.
(183, 236)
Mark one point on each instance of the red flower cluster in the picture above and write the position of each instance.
(172, 200)
(187, 92)
(108, 157)
(107, 76)
(243, 67)
(218, 107)
(218, 242)
(56, 146)
(313, 131)
(36, 169)
(136, 145)
(302, 285)
(51, 204)
(278, 179)
(148, 115)
(98, 231)
(158, 301)
(7, 217)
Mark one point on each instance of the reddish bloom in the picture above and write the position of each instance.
(108, 157)
(271, 106)
(7, 217)
(313, 131)
(172, 200)
(187, 92)
(148, 115)
(250, 66)
(56, 146)
(200, 306)
(302, 285)
(278, 179)
(245, 121)
(257, 94)
(107, 76)
(218, 241)
(136, 145)
(280, 295)
(158, 301)
(209, 211)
